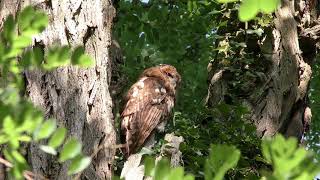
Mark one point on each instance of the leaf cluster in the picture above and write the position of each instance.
(20, 121)
(288, 161)
(190, 35)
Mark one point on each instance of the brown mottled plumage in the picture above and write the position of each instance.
(148, 103)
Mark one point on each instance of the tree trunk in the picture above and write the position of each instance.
(279, 103)
(78, 98)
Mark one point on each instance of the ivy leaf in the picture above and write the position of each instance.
(78, 164)
(70, 150)
(57, 138)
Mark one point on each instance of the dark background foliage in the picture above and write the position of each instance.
(184, 35)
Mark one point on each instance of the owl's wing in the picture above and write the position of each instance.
(147, 105)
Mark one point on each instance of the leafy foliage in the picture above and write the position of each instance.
(20, 121)
(161, 170)
(190, 35)
(287, 159)
(221, 159)
(313, 137)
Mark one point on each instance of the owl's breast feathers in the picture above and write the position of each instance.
(148, 103)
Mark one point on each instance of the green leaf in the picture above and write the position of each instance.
(189, 177)
(58, 137)
(32, 21)
(46, 129)
(268, 6)
(33, 57)
(248, 9)
(78, 164)
(24, 138)
(8, 155)
(9, 28)
(226, 1)
(3, 139)
(287, 159)
(18, 157)
(48, 149)
(221, 159)
(25, 17)
(80, 58)
(8, 124)
(57, 56)
(70, 150)
(21, 42)
(176, 174)
(162, 169)
(37, 56)
(40, 21)
(32, 118)
(149, 164)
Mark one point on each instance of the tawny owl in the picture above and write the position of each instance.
(148, 103)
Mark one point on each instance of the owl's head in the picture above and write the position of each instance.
(166, 72)
(171, 73)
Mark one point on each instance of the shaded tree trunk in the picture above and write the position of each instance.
(78, 98)
(279, 103)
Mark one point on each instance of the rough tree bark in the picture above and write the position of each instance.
(78, 98)
(279, 103)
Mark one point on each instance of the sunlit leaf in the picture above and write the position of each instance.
(24, 138)
(8, 124)
(78, 164)
(221, 159)
(149, 165)
(226, 1)
(175, 174)
(9, 28)
(70, 150)
(161, 170)
(46, 129)
(58, 56)
(25, 17)
(268, 6)
(58, 137)
(17, 156)
(248, 9)
(48, 149)
(80, 58)
(22, 42)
